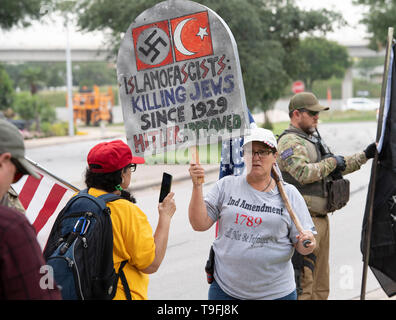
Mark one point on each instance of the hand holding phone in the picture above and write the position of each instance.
(165, 186)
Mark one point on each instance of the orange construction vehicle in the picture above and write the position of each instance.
(92, 106)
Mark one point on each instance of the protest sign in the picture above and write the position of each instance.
(180, 80)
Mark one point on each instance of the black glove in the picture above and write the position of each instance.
(370, 150)
(341, 164)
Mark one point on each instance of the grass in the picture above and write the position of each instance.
(347, 116)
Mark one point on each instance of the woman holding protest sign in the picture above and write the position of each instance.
(256, 237)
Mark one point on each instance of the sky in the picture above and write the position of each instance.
(52, 34)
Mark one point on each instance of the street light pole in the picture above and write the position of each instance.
(69, 81)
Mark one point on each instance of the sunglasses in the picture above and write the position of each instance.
(132, 167)
(311, 113)
(19, 170)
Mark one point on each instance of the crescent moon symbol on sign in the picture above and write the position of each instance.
(177, 37)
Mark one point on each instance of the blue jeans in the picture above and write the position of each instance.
(216, 293)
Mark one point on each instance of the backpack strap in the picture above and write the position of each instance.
(109, 197)
(121, 275)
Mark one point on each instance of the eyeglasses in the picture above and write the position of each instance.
(311, 113)
(132, 167)
(260, 153)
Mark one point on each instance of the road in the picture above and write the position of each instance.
(182, 275)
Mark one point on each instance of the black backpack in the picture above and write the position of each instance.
(80, 249)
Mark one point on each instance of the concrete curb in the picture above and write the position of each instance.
(51, 141)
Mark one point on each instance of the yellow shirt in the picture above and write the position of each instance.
(133, 241)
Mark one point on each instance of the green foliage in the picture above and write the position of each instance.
(6, 90)
(54, 129)
(94, 73)
(33, 78)
(53, 74)
(378, 18)
(26, 106)
(267, 34)
(321, 60)
(21, 12)
(31, 107)
(320, 88)
(374, 89)
(348, 116)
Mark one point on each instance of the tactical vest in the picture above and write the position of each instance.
(315, 194)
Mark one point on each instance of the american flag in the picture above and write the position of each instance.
(231, 162)
(43, 199)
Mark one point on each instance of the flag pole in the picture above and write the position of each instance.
(371, 191)
(195, 160)
(67, 184)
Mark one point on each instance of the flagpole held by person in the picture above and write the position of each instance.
(307, 163)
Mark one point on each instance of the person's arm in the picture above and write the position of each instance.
(197, 213)
(293, 158)
(166, 210)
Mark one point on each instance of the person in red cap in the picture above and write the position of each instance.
(109, 171)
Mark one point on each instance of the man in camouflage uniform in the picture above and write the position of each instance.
(11, 200)
(306, 162)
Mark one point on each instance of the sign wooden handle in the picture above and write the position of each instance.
(195, 160)
(289, 208)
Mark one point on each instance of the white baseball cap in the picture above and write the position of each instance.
(263, 135)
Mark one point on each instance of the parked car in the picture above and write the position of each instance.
(363, 104)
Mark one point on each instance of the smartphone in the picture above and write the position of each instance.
(165, 186)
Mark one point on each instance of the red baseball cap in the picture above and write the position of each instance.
(111, 156)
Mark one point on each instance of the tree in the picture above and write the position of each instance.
(321, 60)
(378, 18)
(31, 107)
(267, 32)
(33, 77)
(6, 91)
(21, 12)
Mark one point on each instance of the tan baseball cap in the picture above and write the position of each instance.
(306, 100)
(11, 141)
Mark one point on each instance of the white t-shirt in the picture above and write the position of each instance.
(254, 245)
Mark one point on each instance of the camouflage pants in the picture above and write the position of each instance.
(315, 276)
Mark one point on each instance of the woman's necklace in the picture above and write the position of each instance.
(267, 185)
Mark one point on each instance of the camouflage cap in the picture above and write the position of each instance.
(306, 100)
(11, 141)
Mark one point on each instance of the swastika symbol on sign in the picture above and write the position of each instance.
(153, 45)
